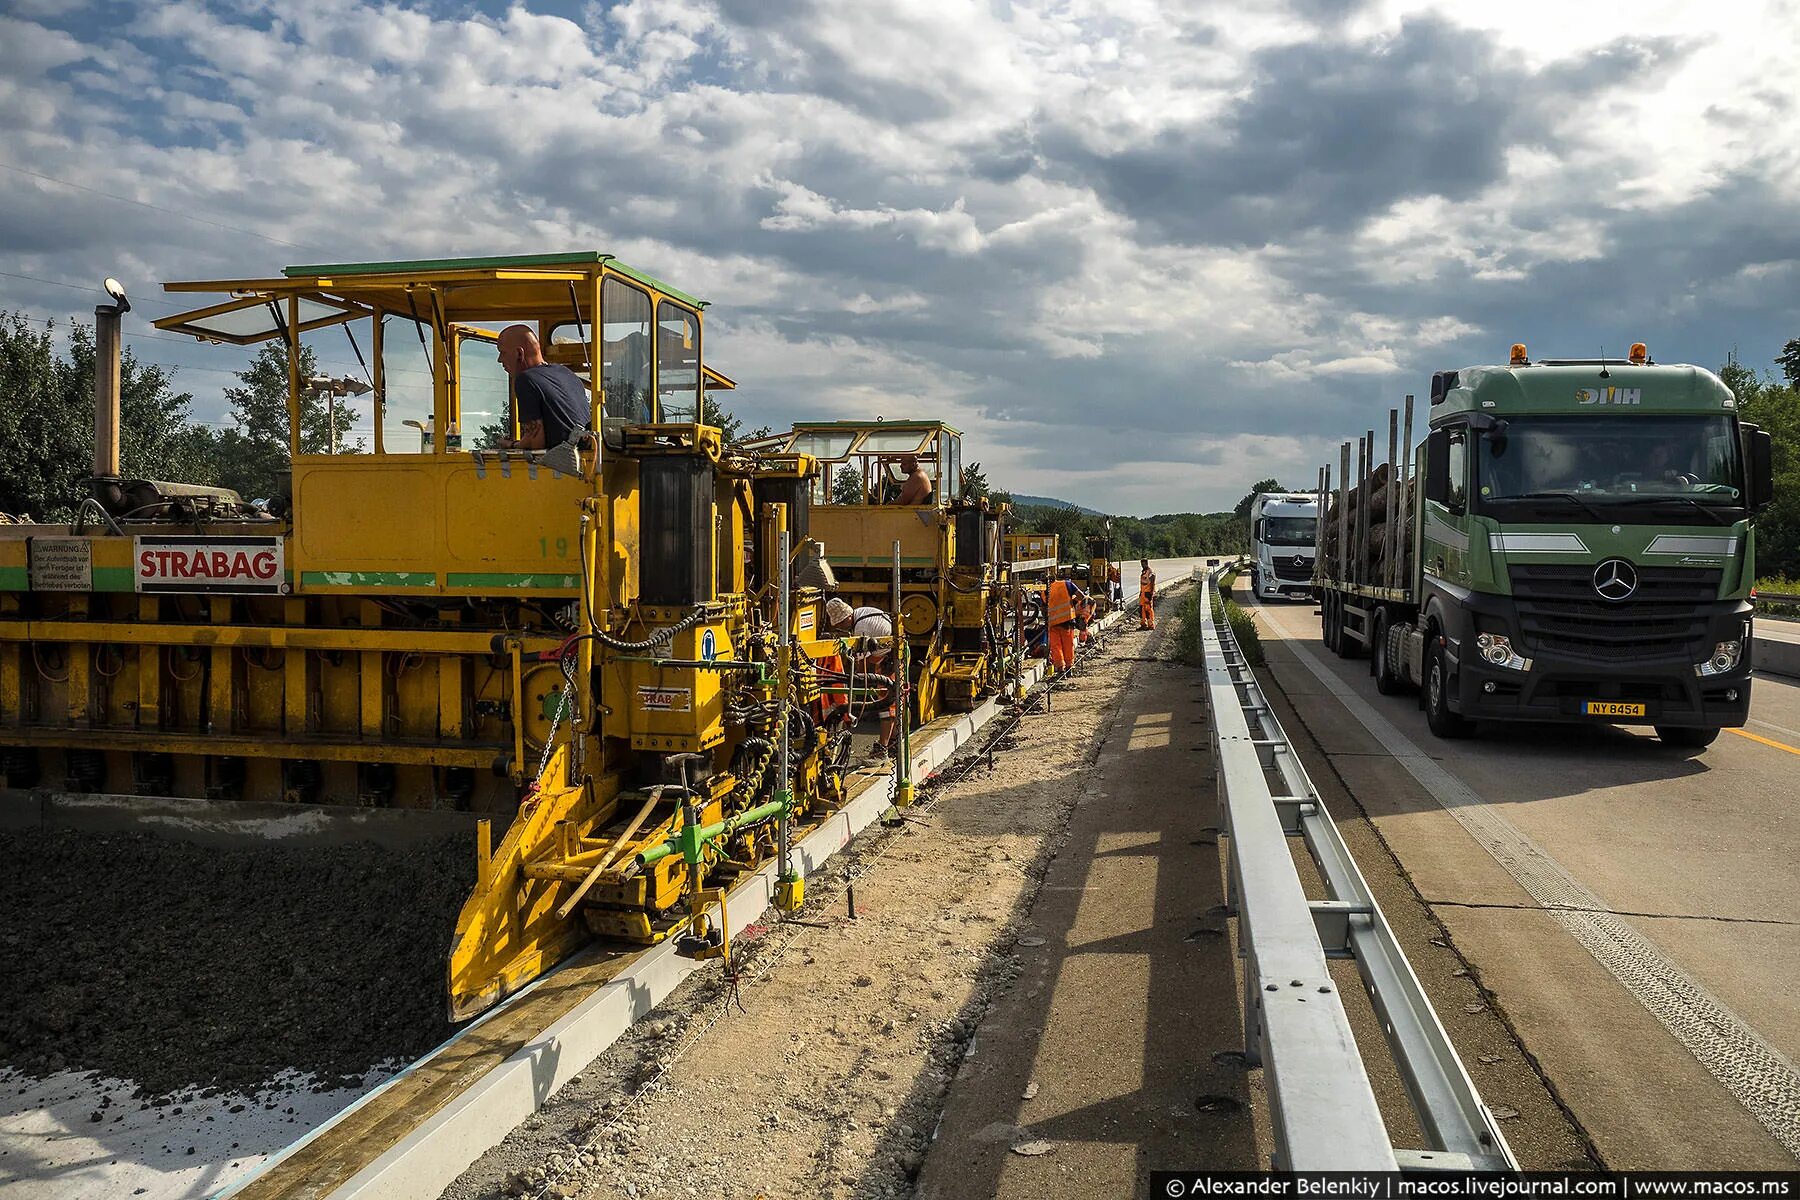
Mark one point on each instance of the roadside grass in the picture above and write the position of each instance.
(1778, 608)
(1188, 647)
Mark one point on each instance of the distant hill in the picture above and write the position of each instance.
(1052, 502)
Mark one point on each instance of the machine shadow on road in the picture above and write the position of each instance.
(1113, 1030)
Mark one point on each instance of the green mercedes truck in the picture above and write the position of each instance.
(1572, 540)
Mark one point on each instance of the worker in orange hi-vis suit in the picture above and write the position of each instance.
(1146, 596)
(1061, 597)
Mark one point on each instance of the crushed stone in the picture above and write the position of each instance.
(185, 967)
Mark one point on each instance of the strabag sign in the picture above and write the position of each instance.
(251, 566)
(665, 699)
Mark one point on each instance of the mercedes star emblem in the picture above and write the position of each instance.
(1615, 579)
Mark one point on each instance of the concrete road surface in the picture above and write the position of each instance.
(1634, 909)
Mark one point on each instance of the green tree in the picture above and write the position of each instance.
(46, 422)
(1242, 509)
(41, 444)
(714, 413)
(253, 455)
(847, 485)
(974, 482)
(156, 438)
(1789, 361)
(1774, 407)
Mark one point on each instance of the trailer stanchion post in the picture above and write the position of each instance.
(1393, 488)
(1343, 547)
(1403, 543)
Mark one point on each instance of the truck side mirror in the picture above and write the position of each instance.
(1759, 471)
(1437, 466)
(1256, 532)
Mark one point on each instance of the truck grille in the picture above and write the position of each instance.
(1559, 612)
(1286, 568)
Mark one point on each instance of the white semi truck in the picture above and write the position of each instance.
(1283, 543)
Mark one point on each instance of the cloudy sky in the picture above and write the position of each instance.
(1143, 253)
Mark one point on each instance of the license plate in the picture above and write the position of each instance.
(1612, 708)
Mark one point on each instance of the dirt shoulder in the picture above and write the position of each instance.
(825, 1073)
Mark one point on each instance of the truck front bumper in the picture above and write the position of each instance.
(1664, 690)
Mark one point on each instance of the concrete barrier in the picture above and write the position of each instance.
(1776, 656)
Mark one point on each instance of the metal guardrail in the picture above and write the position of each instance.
(1779, 597)
(1322, 1105)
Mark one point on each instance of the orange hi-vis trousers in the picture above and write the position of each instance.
(1146, 612)
(1062, 647)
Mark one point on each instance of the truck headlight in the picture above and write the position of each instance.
(1497, 651)
(1724, 658)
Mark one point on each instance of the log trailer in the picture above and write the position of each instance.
(609, 653)
(1573, 542)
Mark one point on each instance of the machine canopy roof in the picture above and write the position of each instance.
(457, 291)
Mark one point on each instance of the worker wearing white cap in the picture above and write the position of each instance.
(874, 656)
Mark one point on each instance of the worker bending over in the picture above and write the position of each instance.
(874, 656)
(1061, 598)
(1146, 596)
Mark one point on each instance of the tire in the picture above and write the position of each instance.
(1686, 738)
(1328, 624)
(1387, 680)
(1443, 722)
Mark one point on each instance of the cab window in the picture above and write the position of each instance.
(1457, 459)
(625, 353)
(677, 363)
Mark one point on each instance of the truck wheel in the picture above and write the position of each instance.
(1443, 722)
(1685, 738)
(1328, 623)
(1387, 680)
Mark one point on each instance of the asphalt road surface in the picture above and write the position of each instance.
(1634, 909)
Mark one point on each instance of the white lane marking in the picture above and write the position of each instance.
(1757, 1074)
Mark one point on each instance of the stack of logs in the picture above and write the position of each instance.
(1379, 506)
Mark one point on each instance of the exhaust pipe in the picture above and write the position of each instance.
(106, 380)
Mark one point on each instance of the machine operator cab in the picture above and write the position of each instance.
(944, 557)
(414, 493)
(856, 511)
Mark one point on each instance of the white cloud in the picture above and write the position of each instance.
(907, 207)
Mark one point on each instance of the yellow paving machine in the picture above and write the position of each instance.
(611, 649)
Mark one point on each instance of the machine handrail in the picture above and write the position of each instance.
(1322, 1104)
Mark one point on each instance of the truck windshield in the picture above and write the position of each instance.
(1289, 531)
(1686, 460)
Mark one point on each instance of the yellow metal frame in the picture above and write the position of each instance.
(425, 629)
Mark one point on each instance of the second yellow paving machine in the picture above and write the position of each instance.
(941, 563)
